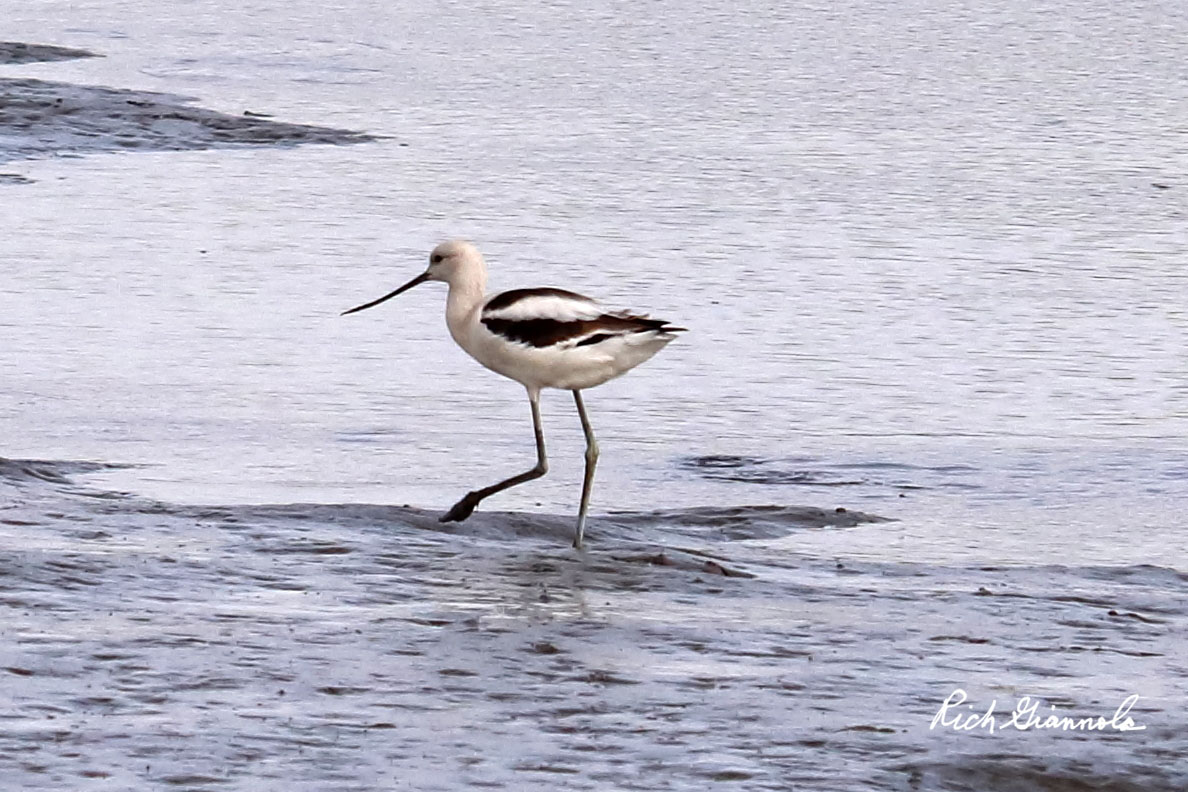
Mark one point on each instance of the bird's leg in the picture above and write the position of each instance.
(463, 508)
(591, 461)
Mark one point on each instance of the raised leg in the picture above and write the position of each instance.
(463, 508)
(591, 461)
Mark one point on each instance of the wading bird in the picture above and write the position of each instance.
(541, 338)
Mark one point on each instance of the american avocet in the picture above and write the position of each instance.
(541, 338)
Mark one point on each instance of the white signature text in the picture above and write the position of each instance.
(956, 714)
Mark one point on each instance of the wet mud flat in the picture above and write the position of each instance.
(40, 118)
(150, 645)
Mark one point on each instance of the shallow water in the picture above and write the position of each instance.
(932, 264)
(359, 647)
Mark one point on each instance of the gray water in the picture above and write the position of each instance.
(932, 261)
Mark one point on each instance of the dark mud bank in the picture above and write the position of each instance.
(40, 118)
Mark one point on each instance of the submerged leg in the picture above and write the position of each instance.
(463, 508)
(591, 461)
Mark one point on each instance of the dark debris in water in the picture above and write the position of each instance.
(12, 52)
(753, 470)
(738, 523)
(808, 472)
(52, 471)
(14, 178)
(683, 560)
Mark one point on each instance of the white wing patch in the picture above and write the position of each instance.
(526, 304)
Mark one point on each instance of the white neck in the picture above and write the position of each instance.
(466, 295)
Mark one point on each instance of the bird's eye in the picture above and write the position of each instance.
(436, 258)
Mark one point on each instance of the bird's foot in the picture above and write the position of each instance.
(461, 510)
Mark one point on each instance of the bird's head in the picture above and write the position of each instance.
(453, 262)
(450, 259)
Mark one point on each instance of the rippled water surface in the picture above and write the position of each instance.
(932, 261)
